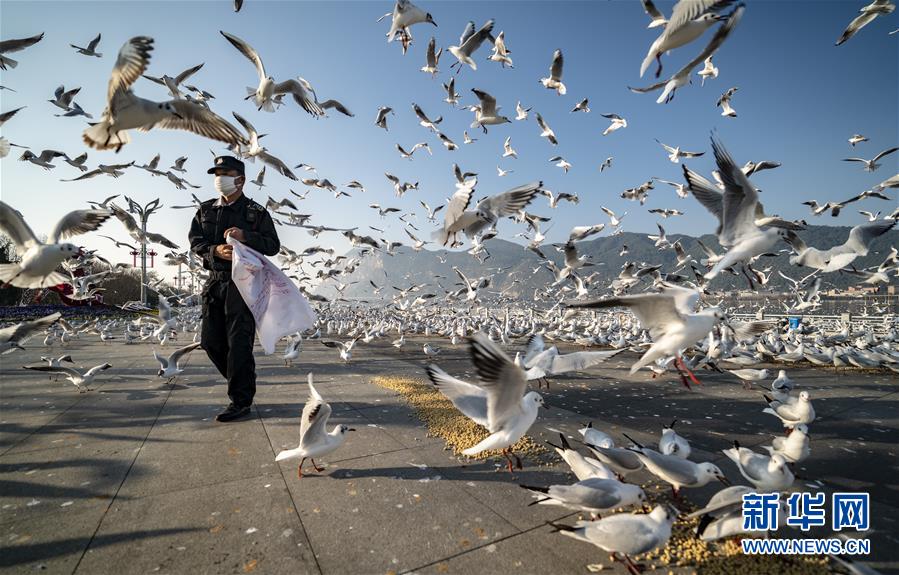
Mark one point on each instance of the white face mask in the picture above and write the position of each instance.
(225, 185)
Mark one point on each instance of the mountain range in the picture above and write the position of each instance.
(521, 271)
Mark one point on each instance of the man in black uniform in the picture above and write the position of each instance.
(229, 329)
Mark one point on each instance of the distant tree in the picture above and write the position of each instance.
(125, 286)
(9, 295)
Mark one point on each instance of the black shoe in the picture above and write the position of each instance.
(233, 412)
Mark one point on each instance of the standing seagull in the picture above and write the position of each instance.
(677, 471)
(554, 81)
(37, 268)
(866, 16)
(498, 402)
(125, 111)
(625, 534)
(764, 472)
(315, 441)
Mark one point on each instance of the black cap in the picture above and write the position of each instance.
(227, 163)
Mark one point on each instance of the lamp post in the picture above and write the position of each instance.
(144, 213)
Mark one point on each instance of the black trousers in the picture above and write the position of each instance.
(227, 335)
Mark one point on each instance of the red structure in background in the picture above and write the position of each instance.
(134, 253)
(65, 290)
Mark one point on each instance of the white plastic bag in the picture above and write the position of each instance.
(275, 302)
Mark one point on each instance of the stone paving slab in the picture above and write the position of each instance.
(136, 476)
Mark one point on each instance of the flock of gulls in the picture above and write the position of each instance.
(663, 315)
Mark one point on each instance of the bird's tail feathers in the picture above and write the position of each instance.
(8, 272)
(440, 236)
(99, 137)
(287, 454)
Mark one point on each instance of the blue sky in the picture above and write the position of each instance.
(799, 100)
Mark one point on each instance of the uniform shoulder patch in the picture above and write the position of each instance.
(254, 205)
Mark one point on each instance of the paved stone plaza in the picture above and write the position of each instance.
(137, 477)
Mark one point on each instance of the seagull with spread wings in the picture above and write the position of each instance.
(170, 366)
(689, 20)
(675, 153)
(469, 43)
(871, 165)
(458, 218)
(682, 77)
(14, 336)
(554, 80)
(487, 112)
(670, 319)
(500, 401)
(838, 257)
(78, 379)
(14, 45)
(866, 15)
(39, 260)
(173, 83)
(737, 211)
(315, 440)
(91, 49)
(126, 111)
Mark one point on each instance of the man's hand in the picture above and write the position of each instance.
(236, 233)
(223, 251)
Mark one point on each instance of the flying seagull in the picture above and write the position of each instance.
(125, 110)
(682, 77)
(500, 401)
(37, 268)
(865, 17)
(458, 218)
(670, 319)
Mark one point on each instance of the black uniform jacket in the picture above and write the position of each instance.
(208, 230)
